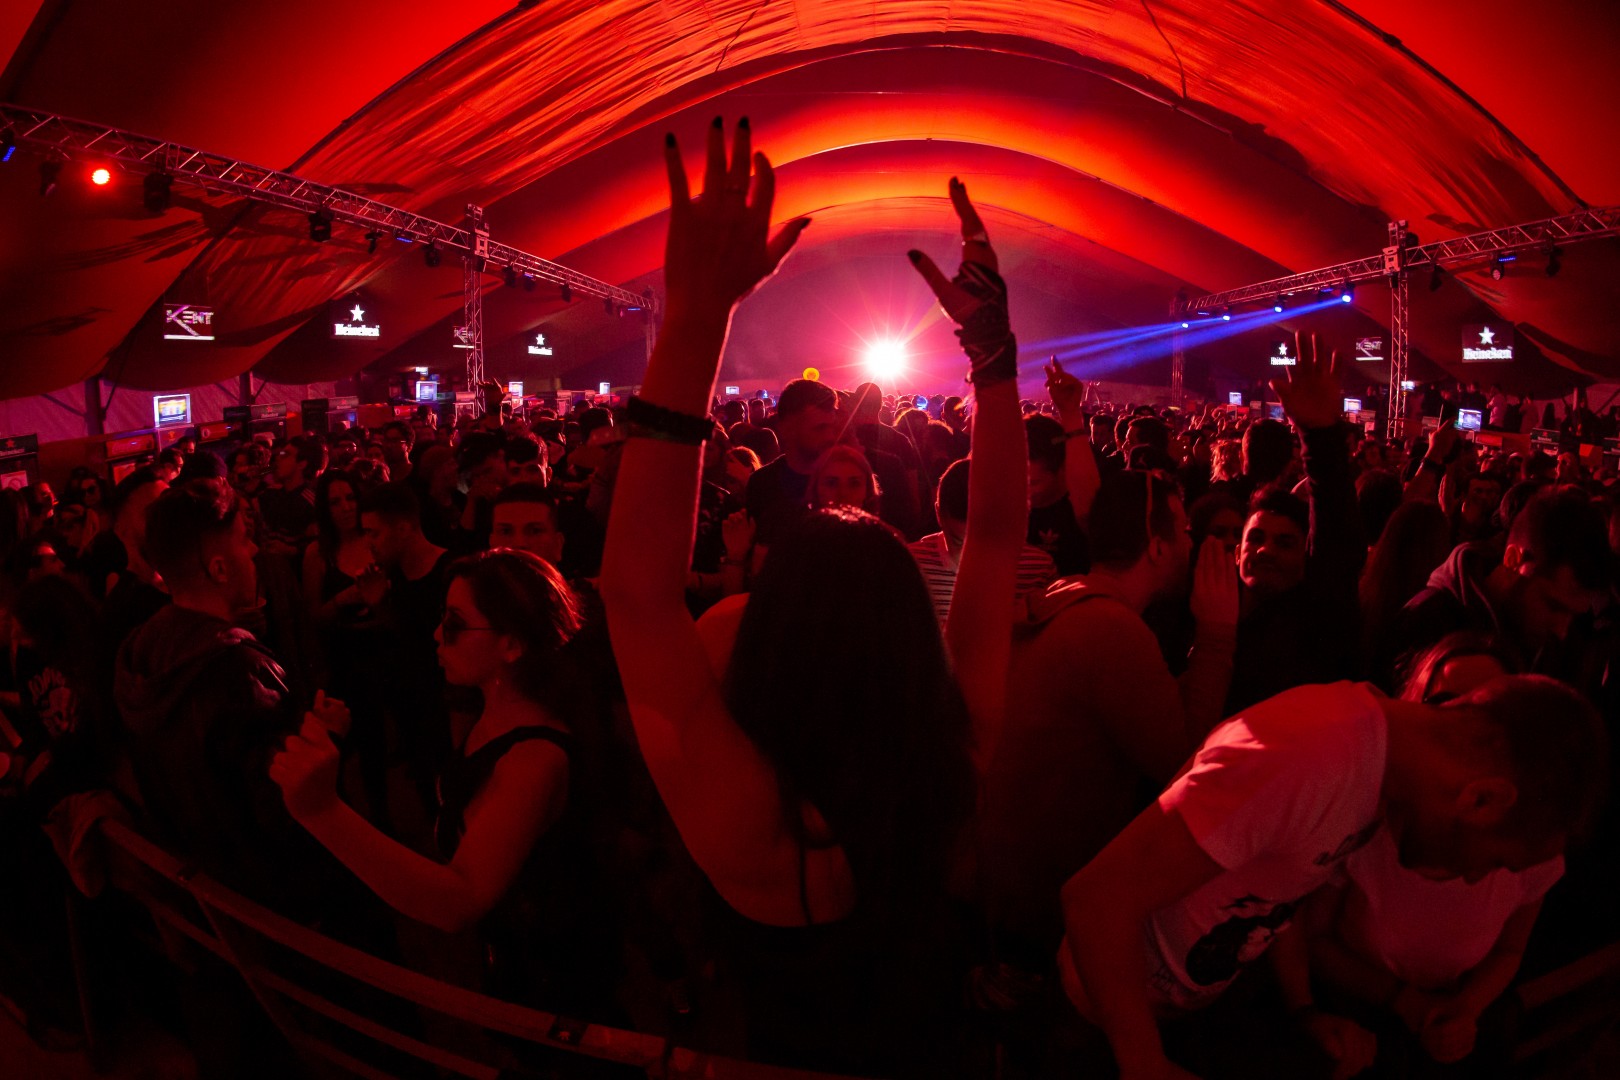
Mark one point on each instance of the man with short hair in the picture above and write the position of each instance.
(1053, 525)
(207, 704)
(397, 440)
(807, 426)
(525, 518)
(287, 508)
(409, 600)
(1211, 875)
(1553, 568)
(1080, 741)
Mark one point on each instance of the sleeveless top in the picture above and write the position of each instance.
(552, 941)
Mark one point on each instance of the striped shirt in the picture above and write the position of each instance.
(1036, 570)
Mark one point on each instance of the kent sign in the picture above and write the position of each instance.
(1369, 348)
(1487, 344)
(187, 322)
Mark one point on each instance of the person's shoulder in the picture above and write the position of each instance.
(1315, 718)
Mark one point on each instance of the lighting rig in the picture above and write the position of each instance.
(1394, 265)
(63, 139)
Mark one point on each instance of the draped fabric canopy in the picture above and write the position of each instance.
(1122, 149)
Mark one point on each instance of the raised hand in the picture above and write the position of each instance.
(737, 531)
(1214, 599)
(719, 248)
(1310, 394)
(1067, 392)
(330, 713)
(306, 770)
(976, 298)
(1352, 1047)
(1441, 443)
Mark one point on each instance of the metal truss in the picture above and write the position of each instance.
(1478, 247)
(1400, 335)
(1178, 358)
(471, 332)
(69, 139)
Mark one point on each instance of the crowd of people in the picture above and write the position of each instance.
(991, 734)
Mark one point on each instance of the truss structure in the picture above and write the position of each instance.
(471, 332)
(68, 139)
(1480, 247)
(1400, 334)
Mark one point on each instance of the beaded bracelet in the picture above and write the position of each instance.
(651, 421)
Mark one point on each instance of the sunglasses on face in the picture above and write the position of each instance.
(452, 626)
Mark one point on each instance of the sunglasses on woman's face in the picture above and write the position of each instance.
(452, 626)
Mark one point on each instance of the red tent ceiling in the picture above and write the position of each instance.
(1227, 143)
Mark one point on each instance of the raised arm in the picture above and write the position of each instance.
(1079, 462)
(718, 251)
(1310, 395)
(979, 630)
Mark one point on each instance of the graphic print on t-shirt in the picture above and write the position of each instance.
(1219, 955)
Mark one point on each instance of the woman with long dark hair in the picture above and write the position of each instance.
(511, 828)
(340, 556)
(822, 804)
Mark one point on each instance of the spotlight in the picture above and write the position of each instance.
(528, 283)
(1226, 314)
(8, 144)
(1554, 263)
(1185, 325)
(886, 360)
(608, 306)
(404, 238)
(1435, 278)
(49, 172)
(320, 225)
(156, 191)
(1347, 293)
(567, 293)
(371, 241)
(1498, 270)
(431, 255)
(101, 176)
(511, 277)
(1276, 304)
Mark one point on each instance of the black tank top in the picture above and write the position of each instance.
(552, 941)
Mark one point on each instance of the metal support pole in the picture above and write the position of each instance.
(1178, 356)
(94, 415)
(649, 317)
(1400, 330)
(471, 331)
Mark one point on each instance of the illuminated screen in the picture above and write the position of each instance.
(1235, 397)
(1352, 404)
(1275, 411)
(427, 391)
(1468, 419)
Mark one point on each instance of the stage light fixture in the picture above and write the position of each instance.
(371, 241)
(886, 360)
(1347, 293)
(1435, 278)
(1498, 270)
(8, 144)
(608, 306)
(511, 276)
(1554, 262)
(1276, 304)
(101, 176)
(49, 173)
(404, 238)
(567, 293)
(1226, 315)
(1185, 325)
(528, 283)
(431, 255)
(155, 191)
(320, 225)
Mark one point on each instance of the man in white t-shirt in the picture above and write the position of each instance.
(1206, 879)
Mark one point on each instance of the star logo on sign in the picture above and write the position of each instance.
(1486, 337)
(1282, 350)
(539, 339)
(356, 314)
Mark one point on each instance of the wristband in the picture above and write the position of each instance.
(651, 421)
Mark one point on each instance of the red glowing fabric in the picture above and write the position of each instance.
(1302, 131)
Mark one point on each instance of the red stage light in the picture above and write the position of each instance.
(101, 177)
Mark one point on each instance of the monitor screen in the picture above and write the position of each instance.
(1275, 411)
(1408, 384)
(427, 390)
(1235, 397)
(1352, 404)
(1468, 419)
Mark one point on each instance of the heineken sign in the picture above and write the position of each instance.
(1487, 344)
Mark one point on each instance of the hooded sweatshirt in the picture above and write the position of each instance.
(206, 705)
